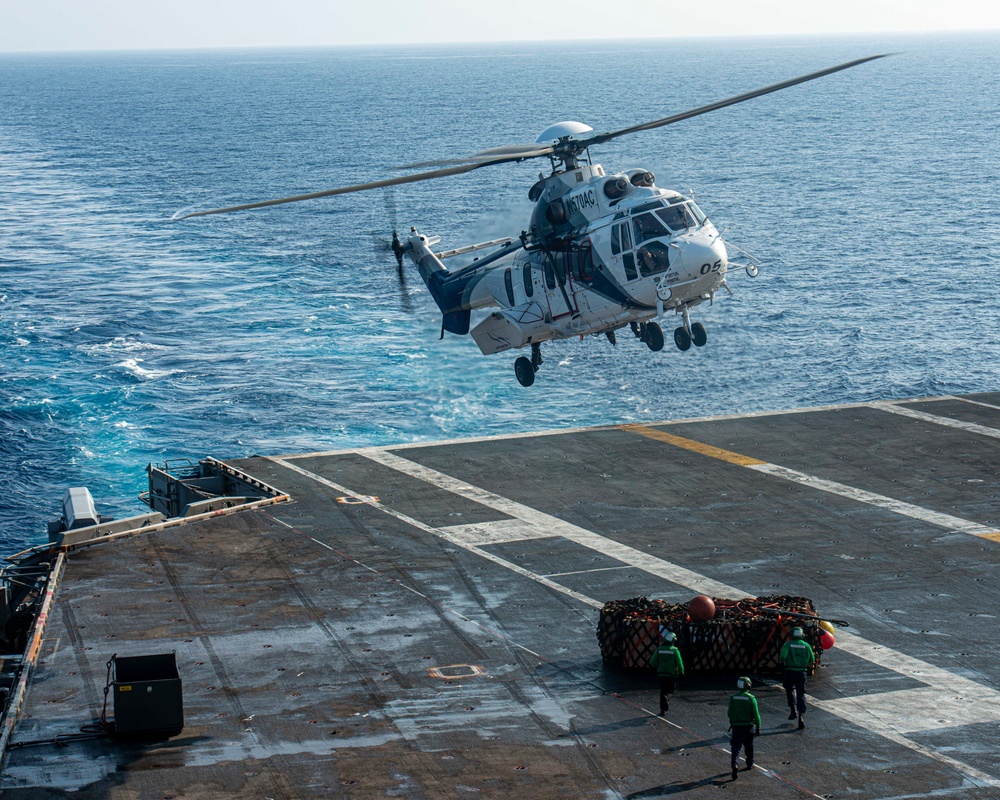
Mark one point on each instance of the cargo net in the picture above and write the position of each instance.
(744, 636)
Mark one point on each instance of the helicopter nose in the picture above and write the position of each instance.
(705, 256)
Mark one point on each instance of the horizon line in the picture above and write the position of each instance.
(473, 43)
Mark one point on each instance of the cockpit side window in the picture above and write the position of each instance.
(646, 226)
(653, 258)
(628, 259)
(616, 240)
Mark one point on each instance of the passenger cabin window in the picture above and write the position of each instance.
(647, 226)
(582, 262)
(509, 285)
(529, 287)
(559, 265)
(653, 258)
(550, 274)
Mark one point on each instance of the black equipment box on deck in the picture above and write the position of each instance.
(147, 696)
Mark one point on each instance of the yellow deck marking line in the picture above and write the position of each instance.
(941, 684)
(947, 521)
(692, 445)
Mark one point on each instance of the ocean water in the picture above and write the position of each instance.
(871, 196)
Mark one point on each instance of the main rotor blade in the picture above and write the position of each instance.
(776, 87)
(359, 187)
(494, 155)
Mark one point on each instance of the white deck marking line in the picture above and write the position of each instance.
(893, 708)
(936, 419)
(972, 402)
(950, 523)
(538, 520)
(497, 532)
(946, 521)
(941, 683)
(857, 713)
(442, 533)
(586, 571)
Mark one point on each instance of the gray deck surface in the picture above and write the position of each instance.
(440, 643)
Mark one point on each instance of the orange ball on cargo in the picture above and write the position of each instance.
(701, 608)
(826, 640)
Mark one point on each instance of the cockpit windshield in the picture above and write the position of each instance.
(647, 226)
(679, 217)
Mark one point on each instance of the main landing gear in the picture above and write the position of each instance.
(650, 333)
(689, 334)
(525, 368)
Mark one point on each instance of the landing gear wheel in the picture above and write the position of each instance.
(682, 339)
(524, 371)
(654, 336)
(698, 335)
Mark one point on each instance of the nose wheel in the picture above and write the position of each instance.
(682, 339)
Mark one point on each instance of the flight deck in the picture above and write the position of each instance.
(419, 621)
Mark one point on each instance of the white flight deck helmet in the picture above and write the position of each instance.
(797, 633)
(743, 683)
(669, 636)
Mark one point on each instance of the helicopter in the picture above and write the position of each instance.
(602, 251)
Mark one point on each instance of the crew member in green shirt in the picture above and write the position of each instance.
(797, 656)
(744, 720)
(669, 667)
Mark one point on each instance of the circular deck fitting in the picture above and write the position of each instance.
(455, 672)
(357, 500)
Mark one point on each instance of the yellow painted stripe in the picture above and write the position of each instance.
(692, 445)
(993, 537)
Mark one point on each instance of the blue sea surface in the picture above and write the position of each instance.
(872, 196)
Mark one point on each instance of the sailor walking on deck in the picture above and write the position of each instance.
(797, 656)
(744, 721)
(669, 667)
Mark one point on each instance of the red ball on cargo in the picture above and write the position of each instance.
(826, 640)
(701, 608)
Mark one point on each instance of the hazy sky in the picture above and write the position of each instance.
(31, 25)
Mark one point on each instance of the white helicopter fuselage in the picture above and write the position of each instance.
(616, 250)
